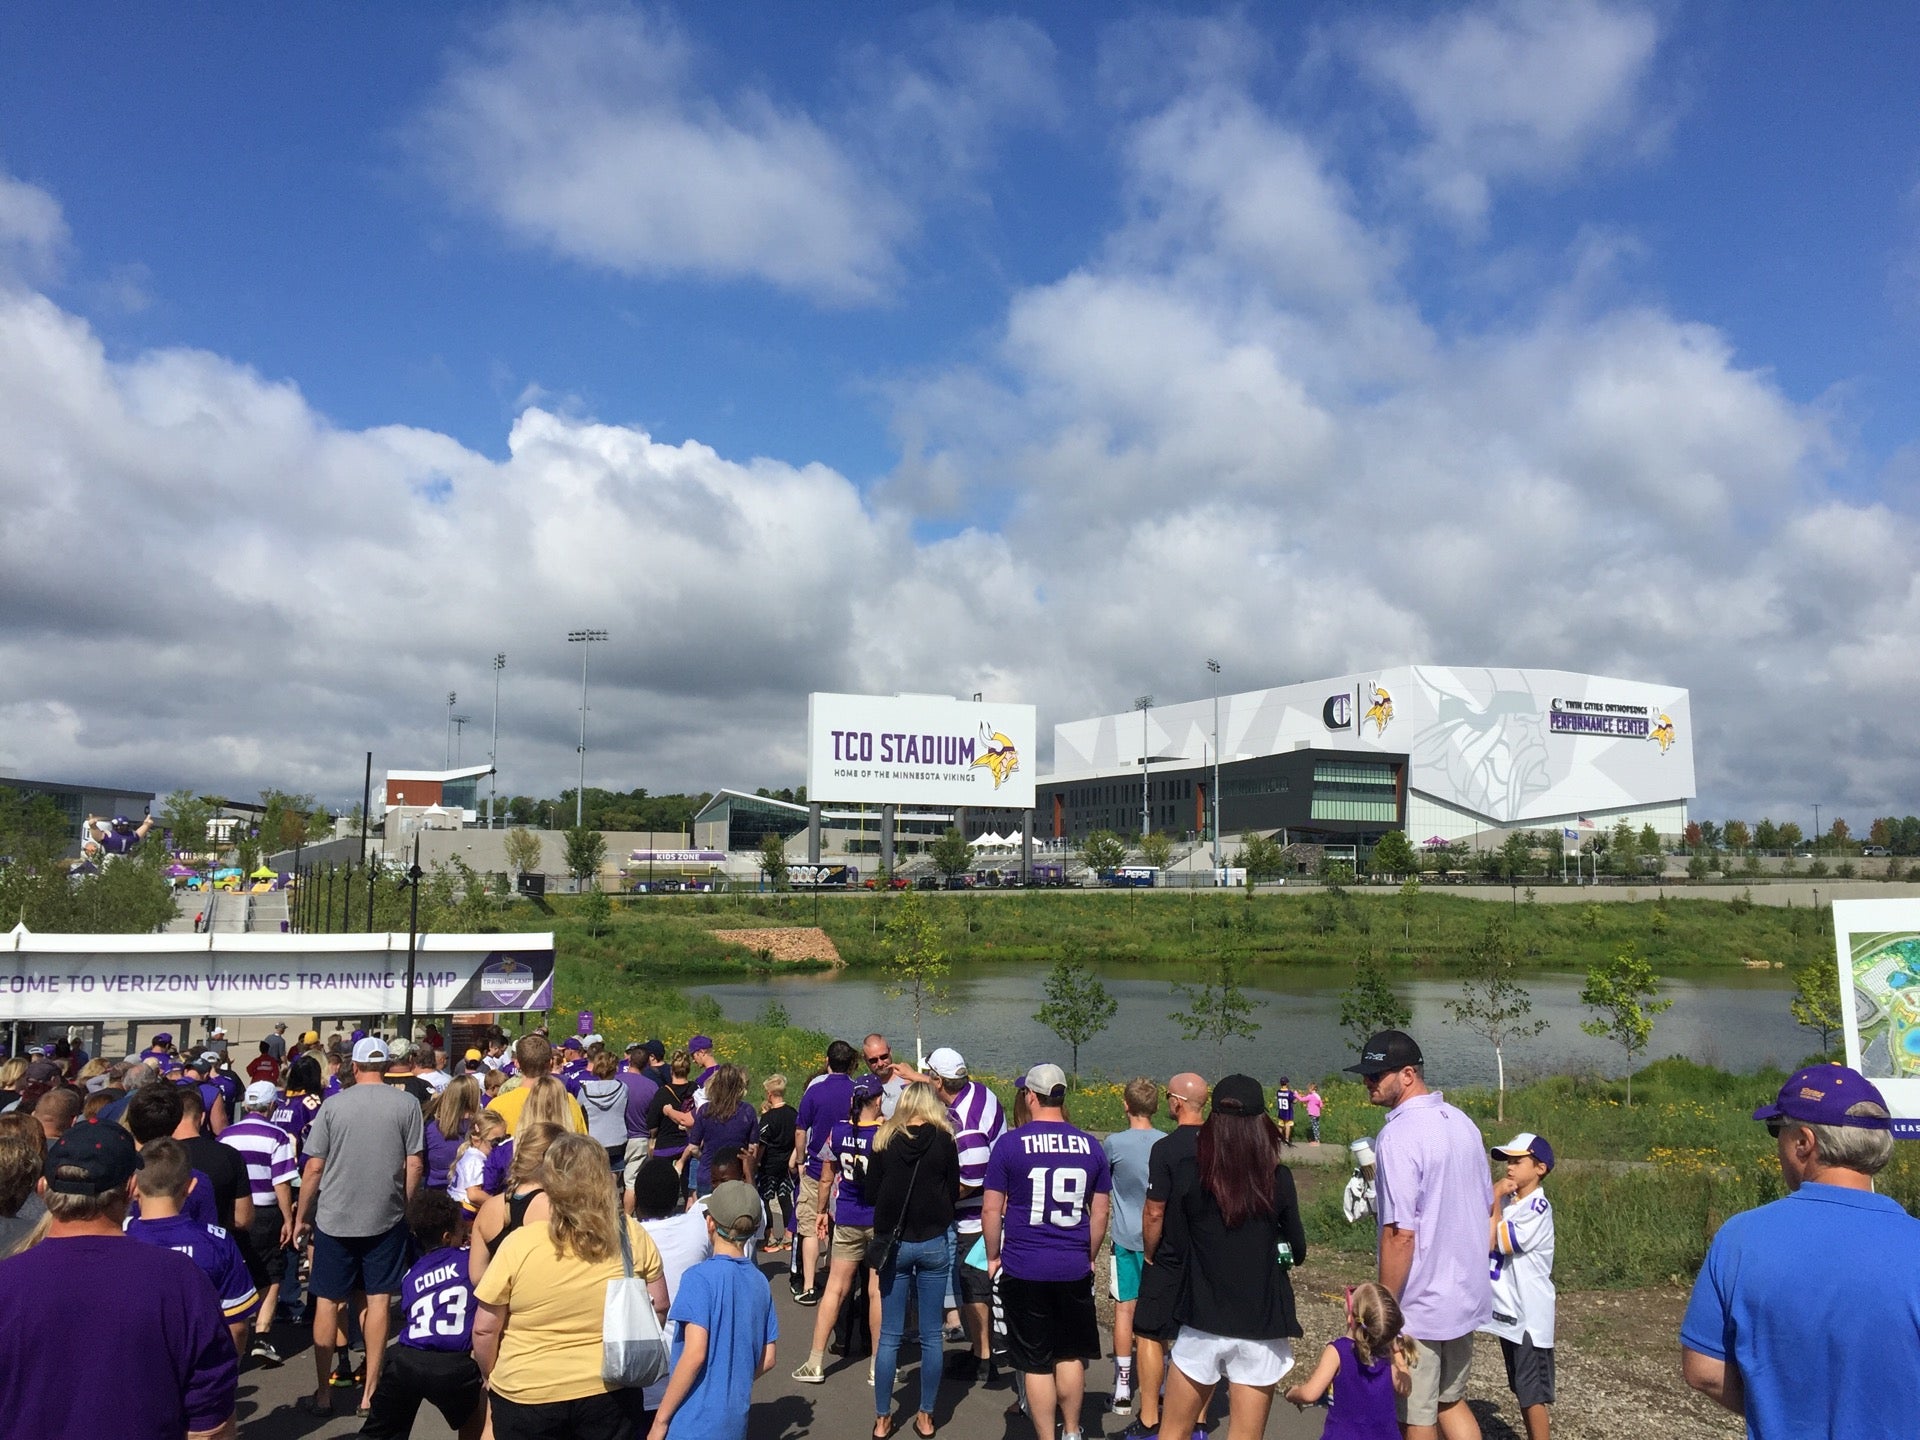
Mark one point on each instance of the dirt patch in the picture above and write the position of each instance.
(788, 943)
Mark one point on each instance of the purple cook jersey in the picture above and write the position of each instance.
(851, 1146)
(436, 1300)
(1049, 1171)
(213, 1250)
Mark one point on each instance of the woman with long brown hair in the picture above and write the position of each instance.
(449, 1114)
(726, 1121)
(521, 1199)
(1235, 1207)
(538, 1333)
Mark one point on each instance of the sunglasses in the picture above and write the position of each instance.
(1775, 1127)
(880, 1059)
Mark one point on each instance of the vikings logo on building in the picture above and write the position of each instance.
(997, 755)
(1379, 709)
(1663, 732)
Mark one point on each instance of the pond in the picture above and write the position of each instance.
(1734, 1020)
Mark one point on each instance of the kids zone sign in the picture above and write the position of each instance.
(919, 750)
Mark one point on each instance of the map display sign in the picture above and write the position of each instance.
(1879, 955)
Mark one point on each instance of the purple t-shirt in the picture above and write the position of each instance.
(1432, 1178)
(738, 1130)
(1363, 1403)
(1049, 1171)
(173, 1368)
(210, 1248)
(824, 1106)
(493, 1175)
(851, 1146)
(441, 1151)
(436, 1301)
(294, 1114)
(640, 1093)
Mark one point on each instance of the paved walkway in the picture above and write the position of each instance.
(782, 1409)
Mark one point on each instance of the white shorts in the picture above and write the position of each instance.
(1207, 1359)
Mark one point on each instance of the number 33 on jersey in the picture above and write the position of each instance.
(1049, 1171)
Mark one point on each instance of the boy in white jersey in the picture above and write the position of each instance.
(1520, 1247)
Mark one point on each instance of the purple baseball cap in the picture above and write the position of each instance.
(1822, 1095)
(699, 1043)
(866, 1087)
(571, 1044)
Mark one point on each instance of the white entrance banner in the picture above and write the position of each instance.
(147, 977)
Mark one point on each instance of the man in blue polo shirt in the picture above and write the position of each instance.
(1806, 1316)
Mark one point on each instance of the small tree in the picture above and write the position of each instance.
(1409, 898)
(523, 849)
(1217, 1009)
(1621, 992)
(586, 849)
(597, 910)
(919, 969)
(951, 854)
(1078, 1007)
(1156, 849)
(1393, 855)
(184, 816)
(1371, 1003)
(1816, 1000)
(773, 860)
(1102, 851)
(1493, 1004)
(1261, 857)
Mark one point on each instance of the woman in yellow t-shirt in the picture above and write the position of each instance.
(538, 1335)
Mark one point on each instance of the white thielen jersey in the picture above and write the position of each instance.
(1522, 1267)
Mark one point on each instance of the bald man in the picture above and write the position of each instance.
(1153, 1321)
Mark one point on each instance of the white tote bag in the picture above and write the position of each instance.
(633, 1350)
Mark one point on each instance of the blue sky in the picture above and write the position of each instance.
(1039, 351)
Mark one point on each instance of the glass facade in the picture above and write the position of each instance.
(1354, 790)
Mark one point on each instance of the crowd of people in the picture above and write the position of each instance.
(460, 1233)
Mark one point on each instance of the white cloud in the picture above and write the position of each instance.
(33, 231)
(587, 132)
(1514, 90)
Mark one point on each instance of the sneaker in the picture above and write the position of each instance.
(1140, 1430)
(955, 1334)
(1122, 1400)
(811, 1374)
(266, 1354)
(807, 1297)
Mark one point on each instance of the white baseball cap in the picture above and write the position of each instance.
(1043, 1080)
(261, 1092)
(947, 1064)
(370, 1051)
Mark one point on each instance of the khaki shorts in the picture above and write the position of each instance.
(1440, 1375)
(639, 1147)
(806, 1206)
(850, 1242)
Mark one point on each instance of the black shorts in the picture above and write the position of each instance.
(1153, 1314)
(972, 1285)
(448, 1380)
(1049, 1322)
(364, 1264)
(260, 1247)
(1529, 1371)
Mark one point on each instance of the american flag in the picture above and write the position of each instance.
(1585, 824)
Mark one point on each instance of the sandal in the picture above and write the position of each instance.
(926, 1434)
(883, 1429)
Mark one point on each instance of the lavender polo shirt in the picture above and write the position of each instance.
(1433, 1178)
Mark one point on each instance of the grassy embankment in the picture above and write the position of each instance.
(671, 934)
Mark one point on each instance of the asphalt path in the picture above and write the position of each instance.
(782, 1409)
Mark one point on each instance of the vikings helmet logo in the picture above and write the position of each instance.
(1379, 709)
(1663, 732)
(997, 755)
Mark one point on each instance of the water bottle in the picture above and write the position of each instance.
(1283, 1254)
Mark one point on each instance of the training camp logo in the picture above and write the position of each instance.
(998, 755)
(1662, 734)
(506, 981)
(1379, 710)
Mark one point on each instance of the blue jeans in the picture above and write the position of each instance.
(922, 1267)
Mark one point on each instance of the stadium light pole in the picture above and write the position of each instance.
(451, 698)
(1143, 705)
(1213, 667)
(493, 744)
(585, 639)
(459, 734)
(1816, 828)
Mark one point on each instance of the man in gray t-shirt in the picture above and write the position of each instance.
(1128, 1152)
(362, 1166)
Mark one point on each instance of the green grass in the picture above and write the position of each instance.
(671, 933)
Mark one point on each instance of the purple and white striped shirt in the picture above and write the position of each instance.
(268, 1151)
(978, 1121)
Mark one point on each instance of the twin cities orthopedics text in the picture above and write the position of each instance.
(897, 748)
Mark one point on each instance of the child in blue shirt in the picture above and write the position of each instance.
(726, 1328)
(163, 1178)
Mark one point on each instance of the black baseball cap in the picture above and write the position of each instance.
(1384, 1051)
(105, 1153)
(1239, 1095)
